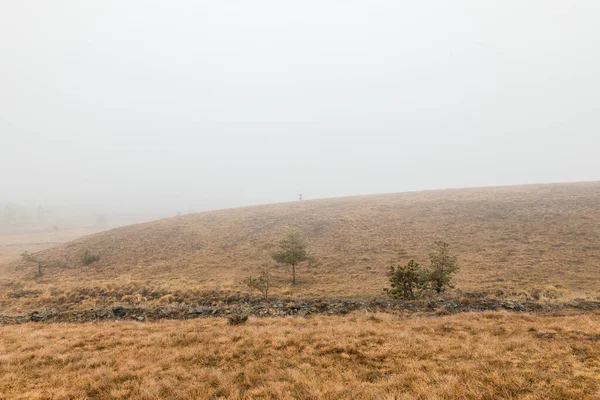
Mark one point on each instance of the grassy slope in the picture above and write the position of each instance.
(508, 238)
(12, 245)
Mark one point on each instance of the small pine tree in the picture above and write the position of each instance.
(28, 257)
(443, 265)
(292, 252)
(405, 280)
(263, 282)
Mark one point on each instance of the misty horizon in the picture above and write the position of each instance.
(147, 107)
(167, 212)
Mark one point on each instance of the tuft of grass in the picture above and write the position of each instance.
(238, 317)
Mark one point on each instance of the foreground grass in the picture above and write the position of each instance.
(478, 356)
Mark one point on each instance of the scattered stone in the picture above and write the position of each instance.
(277, 308)
(119, 311)
(36, 317)
(450, 306)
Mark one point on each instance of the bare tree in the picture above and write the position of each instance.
(263, 282)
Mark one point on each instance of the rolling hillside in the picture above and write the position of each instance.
(508, 239)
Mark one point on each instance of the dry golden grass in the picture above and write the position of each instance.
(12, 245)
(510, 241)
(534, 242)
(361, 356)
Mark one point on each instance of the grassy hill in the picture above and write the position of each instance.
(512, 242)
(508, 239)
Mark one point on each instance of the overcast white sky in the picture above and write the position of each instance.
(179, 105)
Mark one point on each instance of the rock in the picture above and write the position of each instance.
(119, 311)
(449, 306)
(139, 318)
(36, 317)
(513, 306)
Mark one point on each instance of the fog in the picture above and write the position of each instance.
(182, 106)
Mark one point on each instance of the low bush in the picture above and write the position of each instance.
(262, 282)
(89, 257)
(406, 281)
(238, 317)
(410, 281)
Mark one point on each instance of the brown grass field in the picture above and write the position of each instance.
(361, 356)
(12, 245)
(509, 240)
(537, 242)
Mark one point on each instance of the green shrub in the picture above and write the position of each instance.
(406, 281)
(89, 257)
(442, 265)
(238, 317)
(410, 281)
(28, 257)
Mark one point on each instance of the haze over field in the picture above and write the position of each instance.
(152, 155)
(188, 106)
